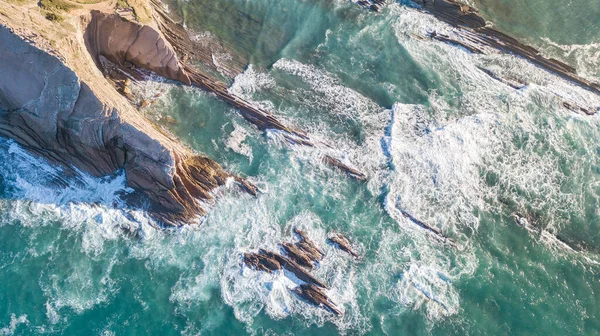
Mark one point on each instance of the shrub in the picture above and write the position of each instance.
(54, 17)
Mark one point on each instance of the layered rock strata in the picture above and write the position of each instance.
(178, 37)
(48, 110)
(299, 257)
(317, 297)
(475, 35)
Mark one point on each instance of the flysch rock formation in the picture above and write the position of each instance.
(176, 34)
(47, 109)
(131, 46)
(299, 259)
(474, 35)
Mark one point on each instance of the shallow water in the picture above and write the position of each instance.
(438, 139)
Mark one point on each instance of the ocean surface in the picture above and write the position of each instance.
(511, 176)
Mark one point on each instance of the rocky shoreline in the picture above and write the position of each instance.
(82, 124)
(54, 103)
(48, 110)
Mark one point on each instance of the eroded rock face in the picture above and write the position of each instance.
(128, 44)
(47, 110)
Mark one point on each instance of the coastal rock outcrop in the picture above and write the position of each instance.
(49, 111)
(269, 261)
(475, 35)
(299, 255)
(132, 47)
(317, 297)
(305, 252)
(308, 246)
(341, 242)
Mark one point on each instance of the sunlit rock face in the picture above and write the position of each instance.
(46, 109)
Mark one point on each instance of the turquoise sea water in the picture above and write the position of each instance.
(437, 137)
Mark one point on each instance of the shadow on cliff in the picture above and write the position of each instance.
(25, 176)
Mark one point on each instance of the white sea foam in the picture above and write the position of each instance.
(432, 159)
(249, 82)
(249, 292)
(13, 324)
(584, 57)
(425, 286)
(328, 94)
(236, 141)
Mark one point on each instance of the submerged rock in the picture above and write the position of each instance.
(341, 242)
(269, 261)
(475, 34)
(316, 296)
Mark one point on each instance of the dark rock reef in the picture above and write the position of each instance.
(304, 253)
(269, 261)
(308, 246)
(316, 296)
(49, 111)
(475, 35)
(341, 242)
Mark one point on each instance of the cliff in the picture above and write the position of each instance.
(84, 124)
(134, 48)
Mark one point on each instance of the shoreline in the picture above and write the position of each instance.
(158, 165)
(90, 126)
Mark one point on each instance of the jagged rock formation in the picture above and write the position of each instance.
(312, 290)
(270, 261)
(49, 111)
(341, 242)
(475, 35)
(308, 246)
(304, 252)
(316, 296)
